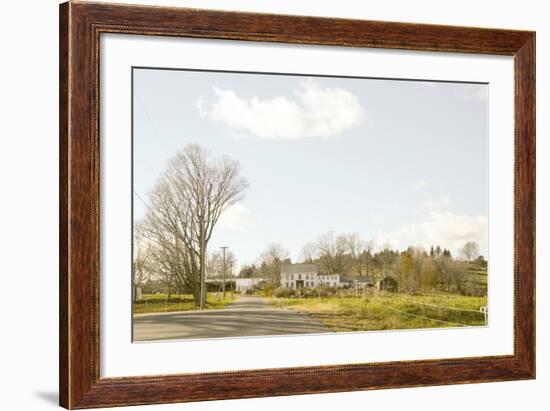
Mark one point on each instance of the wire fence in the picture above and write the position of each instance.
(427, 318)
(482, 310)
(443, 306)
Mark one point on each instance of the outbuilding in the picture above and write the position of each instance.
(388, 283)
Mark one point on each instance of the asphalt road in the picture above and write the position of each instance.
(248, 316)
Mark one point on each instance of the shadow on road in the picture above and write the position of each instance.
(249, 316)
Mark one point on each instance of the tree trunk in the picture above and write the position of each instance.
(196, 290)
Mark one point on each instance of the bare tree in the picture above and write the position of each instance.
(332, 251)
(271, 261)
(309, 252)
(219, 267)
(457, 272)
(452, 273)
(185, 206)
(470, 251)
(215, 263)
(367, 256)
(386, 256)
(355, 247)
(428, 274)
(406, 271)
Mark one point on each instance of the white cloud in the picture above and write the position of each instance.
(316, 112)
(383, 240)
(236, 218)
(419, 185)
(446, 229)
(431, 203)
(439, 226)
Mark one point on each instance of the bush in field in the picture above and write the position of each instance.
(370, 292)
(346, 293)
(268, 290)
(300, 293)
(326, 292)
(263, 288)
(309, 293)
(283, 292)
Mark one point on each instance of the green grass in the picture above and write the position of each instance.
(389, 311)
(159, 303)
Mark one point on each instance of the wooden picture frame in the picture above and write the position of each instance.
(80, 27)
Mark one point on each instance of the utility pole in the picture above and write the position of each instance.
(231, 282)
(202, 262)
(223, 285)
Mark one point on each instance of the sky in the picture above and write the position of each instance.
(399, 162)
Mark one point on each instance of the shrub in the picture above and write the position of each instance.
(309, 292)
(268, 289)
(283, 292)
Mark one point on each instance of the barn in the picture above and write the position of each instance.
(387, 283)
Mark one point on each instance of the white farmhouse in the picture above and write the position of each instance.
(299, 275)
(332, 280)
(296, 276)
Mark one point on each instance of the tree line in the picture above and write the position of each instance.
(348, 254)
(183, 208)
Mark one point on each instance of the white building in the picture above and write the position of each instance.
(297, 276)
(363, 282)
(332, 280)
(245, 284)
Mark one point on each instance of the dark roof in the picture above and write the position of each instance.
(364, 279)
(388, 277)
(361, 279)
(299, 268)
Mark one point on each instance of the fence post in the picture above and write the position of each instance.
(484, 311)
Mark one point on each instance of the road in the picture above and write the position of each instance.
(248, 316)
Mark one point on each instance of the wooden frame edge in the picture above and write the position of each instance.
(79, 380)
(525, 203)
(64, 381)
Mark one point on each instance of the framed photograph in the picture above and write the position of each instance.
(260, 205)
